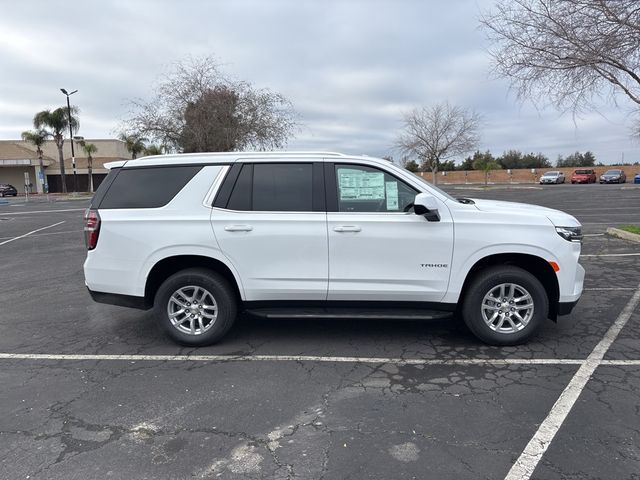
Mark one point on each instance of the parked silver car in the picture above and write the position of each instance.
(552, 177)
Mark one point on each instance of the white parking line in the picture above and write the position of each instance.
(27, 234)
(294, 358)
(529, 458)
(45, 211)
(310, 358)
(621, 363)
(49, 233)
(609, 288)
(613, 255)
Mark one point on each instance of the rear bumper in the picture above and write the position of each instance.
(120, 300)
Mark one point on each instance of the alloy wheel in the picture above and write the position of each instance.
(192, 310)
(507, 308)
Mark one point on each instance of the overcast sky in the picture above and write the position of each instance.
(349, 67)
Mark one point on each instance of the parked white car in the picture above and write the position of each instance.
(201, 237)
(552, 177)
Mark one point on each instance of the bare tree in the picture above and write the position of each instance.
(196, 108)
(567, 52)
(438, 133)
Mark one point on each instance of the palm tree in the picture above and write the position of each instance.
(133, 143)
(56, 123)
(37, 138)
(89, 149)
(154, 150)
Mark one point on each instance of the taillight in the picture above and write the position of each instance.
(91, 228)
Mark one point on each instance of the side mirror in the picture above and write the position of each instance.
(427, 206)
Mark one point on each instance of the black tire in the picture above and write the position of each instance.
(217, 286)
(491, 278)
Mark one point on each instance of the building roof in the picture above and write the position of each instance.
(107, 147)
(12, 150)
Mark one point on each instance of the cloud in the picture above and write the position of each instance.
(350, 67)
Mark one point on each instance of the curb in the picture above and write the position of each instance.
(616, 232)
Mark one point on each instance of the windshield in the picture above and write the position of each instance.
(431, 185)
(612, 172)
(551, 174)
(583, 172)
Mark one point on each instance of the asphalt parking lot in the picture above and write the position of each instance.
(95, 391)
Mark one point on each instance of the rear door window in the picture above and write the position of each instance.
(274, 187)
(284, 187)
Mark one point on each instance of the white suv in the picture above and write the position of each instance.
(202, 237)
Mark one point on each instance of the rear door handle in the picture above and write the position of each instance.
(347, 228)
(238, 228)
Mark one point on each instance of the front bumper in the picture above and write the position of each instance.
(610, 180)
(565, 308)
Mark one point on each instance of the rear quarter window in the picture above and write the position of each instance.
(147, 187)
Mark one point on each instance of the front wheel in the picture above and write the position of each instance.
(196, 307)
(505, 305)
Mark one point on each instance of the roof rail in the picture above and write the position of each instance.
(268, 153)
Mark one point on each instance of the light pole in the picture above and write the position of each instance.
(73, 155)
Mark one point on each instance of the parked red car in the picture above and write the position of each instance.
(583, 175)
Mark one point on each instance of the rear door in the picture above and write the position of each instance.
(270, 221)
(377, 250)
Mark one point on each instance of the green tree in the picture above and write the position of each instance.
(588, 159)
(133, 143)
(577, 159)
(467, 164)
(55, 123)
(410, 165)
(511, 159)
(535, 160)
(89, 149)
(38, 139)
(447, 166)
(486, 163)
(154, 150)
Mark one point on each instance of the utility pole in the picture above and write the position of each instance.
(73, 155)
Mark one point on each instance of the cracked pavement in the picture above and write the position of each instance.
(84, 419)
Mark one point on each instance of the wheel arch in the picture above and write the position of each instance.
(537, 266)
(166, 267)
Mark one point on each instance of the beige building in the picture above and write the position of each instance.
(19, 164)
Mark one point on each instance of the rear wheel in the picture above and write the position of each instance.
(505, 305)
(196, 307)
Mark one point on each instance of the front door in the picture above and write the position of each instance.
(377, 251)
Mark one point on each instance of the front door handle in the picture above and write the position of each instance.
(347, 228)
(238, 228)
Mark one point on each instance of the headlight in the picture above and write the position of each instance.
(572, 234)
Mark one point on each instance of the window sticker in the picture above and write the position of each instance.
(392, 195)
(359, 185)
